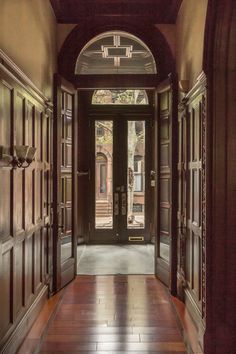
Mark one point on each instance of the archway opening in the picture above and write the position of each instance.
(115, 52)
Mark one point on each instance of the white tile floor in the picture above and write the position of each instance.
(115, 259)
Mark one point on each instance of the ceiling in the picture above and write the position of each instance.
(155, 11)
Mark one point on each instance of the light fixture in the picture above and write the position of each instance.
(24, 156)
(5, 158)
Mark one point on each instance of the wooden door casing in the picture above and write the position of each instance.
(25, 234)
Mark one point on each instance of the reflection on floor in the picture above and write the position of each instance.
(113, 314)
(115, 259)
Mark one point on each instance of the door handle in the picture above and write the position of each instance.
(83, 173)
(116, 204)
(123, 203)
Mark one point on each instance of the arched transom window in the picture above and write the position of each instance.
(115, 53)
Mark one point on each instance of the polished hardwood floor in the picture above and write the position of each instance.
(113, 314)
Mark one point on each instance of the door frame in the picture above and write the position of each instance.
(132, 112)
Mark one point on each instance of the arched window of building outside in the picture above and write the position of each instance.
(120, 97)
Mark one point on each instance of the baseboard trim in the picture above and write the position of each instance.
(18, 335)
(187, 327)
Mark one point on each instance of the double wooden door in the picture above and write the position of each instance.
(120, 178)
(166, 148)
(65, 182)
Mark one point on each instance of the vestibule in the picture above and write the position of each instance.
(174, 186)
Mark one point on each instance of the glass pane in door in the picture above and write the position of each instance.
(136, 175)
(103, 174)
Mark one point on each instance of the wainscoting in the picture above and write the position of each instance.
(25, 234)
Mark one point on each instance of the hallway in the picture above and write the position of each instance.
(113, 314)
(118, 133)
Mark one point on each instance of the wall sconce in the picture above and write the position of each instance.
(5, 158)
(24, 156)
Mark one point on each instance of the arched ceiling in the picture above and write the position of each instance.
(152, 11)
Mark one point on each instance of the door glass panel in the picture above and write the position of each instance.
(103, 174)
(136, 175)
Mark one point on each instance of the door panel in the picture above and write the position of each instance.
(194, 204)
(121, 143)
(166, 188)
(65, 189)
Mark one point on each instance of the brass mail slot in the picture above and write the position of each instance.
(136, 238)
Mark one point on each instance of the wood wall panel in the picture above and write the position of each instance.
(6, 317)
(19, 277)
(191, 266)
(25, 233)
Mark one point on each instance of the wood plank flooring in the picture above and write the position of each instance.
(114, 314)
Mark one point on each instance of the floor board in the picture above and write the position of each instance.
(114, 314)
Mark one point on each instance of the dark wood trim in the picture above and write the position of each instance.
(34, 337)
(13, 342)
(75, 179)
(174, 243)
(83, 82)
(56, 174)
(187, 326)
(219, 65)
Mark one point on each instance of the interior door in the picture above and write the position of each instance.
(65, 187)
(120, 188)
(166, 126)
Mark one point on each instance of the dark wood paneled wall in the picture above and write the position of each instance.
(25, 235)
(191, 206)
